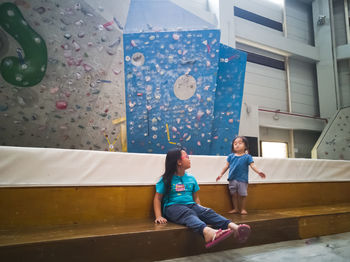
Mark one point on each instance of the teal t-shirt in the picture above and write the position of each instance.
(182, 189)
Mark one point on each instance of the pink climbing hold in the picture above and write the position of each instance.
(108, 24)
(176, 36)
(61, 105)
(87, 68)
(76, 46)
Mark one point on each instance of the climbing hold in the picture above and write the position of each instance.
(118, 23)
(33, 46)
(61, 105)
(3, 108)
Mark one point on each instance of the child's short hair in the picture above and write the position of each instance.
(245, 141)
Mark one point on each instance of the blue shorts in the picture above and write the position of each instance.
(238, 187)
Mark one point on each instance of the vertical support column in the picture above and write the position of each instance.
(347, 28)
(346, 16)
(326, 75)
(226, 21)
(289, 93)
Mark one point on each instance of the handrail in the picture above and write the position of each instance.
(293, 114)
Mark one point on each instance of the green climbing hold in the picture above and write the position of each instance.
(29, 68)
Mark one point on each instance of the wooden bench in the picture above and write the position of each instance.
(115, 223)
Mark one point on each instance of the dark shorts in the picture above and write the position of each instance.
(238, 187)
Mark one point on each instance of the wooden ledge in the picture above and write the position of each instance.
(69, 232)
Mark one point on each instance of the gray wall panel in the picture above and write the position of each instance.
(339, 22)
(265, 87)
(299, 22)
(344, 82)
(303, 87)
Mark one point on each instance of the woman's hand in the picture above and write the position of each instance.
(160, 220)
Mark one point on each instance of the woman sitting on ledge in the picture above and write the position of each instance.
(178, 192)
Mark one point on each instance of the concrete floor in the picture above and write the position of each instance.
(332, 248)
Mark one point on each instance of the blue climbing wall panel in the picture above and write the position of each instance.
(228, 99)
(170, 79)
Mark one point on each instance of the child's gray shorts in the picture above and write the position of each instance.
(238, 186)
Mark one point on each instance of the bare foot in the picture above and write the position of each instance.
(244, 212)
(233, 211)
(241, 232)
(210, 233)
(234, 227)
(219, 236)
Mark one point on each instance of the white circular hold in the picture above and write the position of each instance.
(8, 63)
(185, 87)
(24, 66)
(111, 147)
(19, 77)
(138, 59)
(10, 13)
(37, 40)
(24, 22)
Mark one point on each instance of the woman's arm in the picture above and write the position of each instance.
(223, 171)
(157, 206)
(196, 198)
(261, 174)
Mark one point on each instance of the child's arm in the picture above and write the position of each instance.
(196, 198)
(223, 171)
(261, 174)
(157, 206)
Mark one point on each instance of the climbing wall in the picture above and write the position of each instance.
(170, 89)
(82, 74)
(62, 78)
(334, 142)
(228, 99)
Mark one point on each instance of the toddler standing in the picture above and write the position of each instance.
(238, 162)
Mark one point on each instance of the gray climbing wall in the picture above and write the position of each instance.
(334, 142)
(82, 91)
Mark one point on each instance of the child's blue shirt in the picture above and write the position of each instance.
(182, 189)
(239, 167)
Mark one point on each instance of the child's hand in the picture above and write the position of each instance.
(262, 175)
(218, 178)
(160, 220)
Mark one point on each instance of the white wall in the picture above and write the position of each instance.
(339, 22)
(344, 82)
(299, 22)
(264, 86)
(303, 86)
